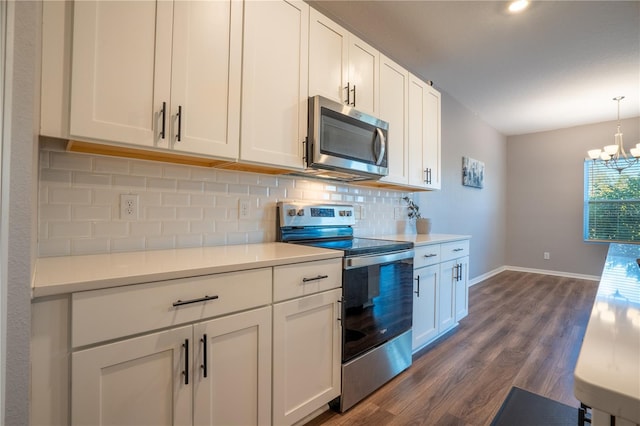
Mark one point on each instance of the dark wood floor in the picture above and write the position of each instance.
(523, 330)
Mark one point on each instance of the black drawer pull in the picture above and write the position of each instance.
(458, 249)
(187, 302)
(430, 255)
(319, 277)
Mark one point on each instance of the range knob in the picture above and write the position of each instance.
(301, 212)
(291, 212)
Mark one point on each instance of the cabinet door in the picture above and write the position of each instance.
(207, 46)
(417, 131)
(364, 66)
(462, 289)
(328, 58)
(432, 146)
(135, 381)
(275, 82)
(121, 70)
(446, 295)
(232, 385)
(425, 312)
(394, 83)
(306, 355)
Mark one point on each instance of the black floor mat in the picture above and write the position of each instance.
(523, 408)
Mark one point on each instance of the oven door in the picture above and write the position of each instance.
(377, 300)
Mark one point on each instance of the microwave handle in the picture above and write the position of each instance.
(383, 146)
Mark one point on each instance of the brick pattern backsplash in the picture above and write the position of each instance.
(179, 206)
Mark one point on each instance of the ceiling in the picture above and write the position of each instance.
(557, 64)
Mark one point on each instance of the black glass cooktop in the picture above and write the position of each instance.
(361, 246)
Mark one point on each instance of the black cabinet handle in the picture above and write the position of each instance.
(178, 136)
(205, 343)
(164, 120)
(458, 249)
(430, 255)
(185, 372)
(354, 95)
(347, 87)
(418, 287)
(187, 302)
(319, 277)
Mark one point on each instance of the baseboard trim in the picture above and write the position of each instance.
(486, 275)
(496, 271)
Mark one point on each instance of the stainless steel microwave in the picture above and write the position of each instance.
(344, 143)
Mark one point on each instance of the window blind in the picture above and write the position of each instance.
(611, 203)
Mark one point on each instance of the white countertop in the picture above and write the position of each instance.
(425, 239)
(66, 274)
(607, 374)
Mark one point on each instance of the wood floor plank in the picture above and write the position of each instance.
(523, 329)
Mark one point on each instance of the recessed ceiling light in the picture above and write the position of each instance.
(518, 6)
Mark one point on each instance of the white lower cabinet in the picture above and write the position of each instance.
(462, 290)
(307, 340)
(441, 294)
(446, 296)
(220, 369)
(425, 314)
(187, 351)
(135, 381)
(233, 385)
(253, 347)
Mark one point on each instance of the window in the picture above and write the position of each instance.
(611, 203)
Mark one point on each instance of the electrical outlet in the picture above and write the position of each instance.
(244, 209)
(546, 255)
(129, 206)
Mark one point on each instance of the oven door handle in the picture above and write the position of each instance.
(378, 259)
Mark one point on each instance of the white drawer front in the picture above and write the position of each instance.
(454, 250)
(116, 312)
(426, 255)
(300, 279)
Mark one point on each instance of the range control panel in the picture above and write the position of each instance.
(307, 214)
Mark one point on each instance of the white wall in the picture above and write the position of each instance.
(545, 193)
(19, 181)
(459, 209)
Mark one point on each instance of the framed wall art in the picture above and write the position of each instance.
(472, 172)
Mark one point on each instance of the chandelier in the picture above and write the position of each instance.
(614, 156)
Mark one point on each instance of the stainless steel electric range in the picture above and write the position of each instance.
(377, 290)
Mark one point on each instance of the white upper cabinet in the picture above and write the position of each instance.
(328, 58)
(363, 76)
(394, 84)
(275, 83)
(341, 66)
(157, 74)
(205, 79)
(119, 79)
(424, 135)
(433, 142)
